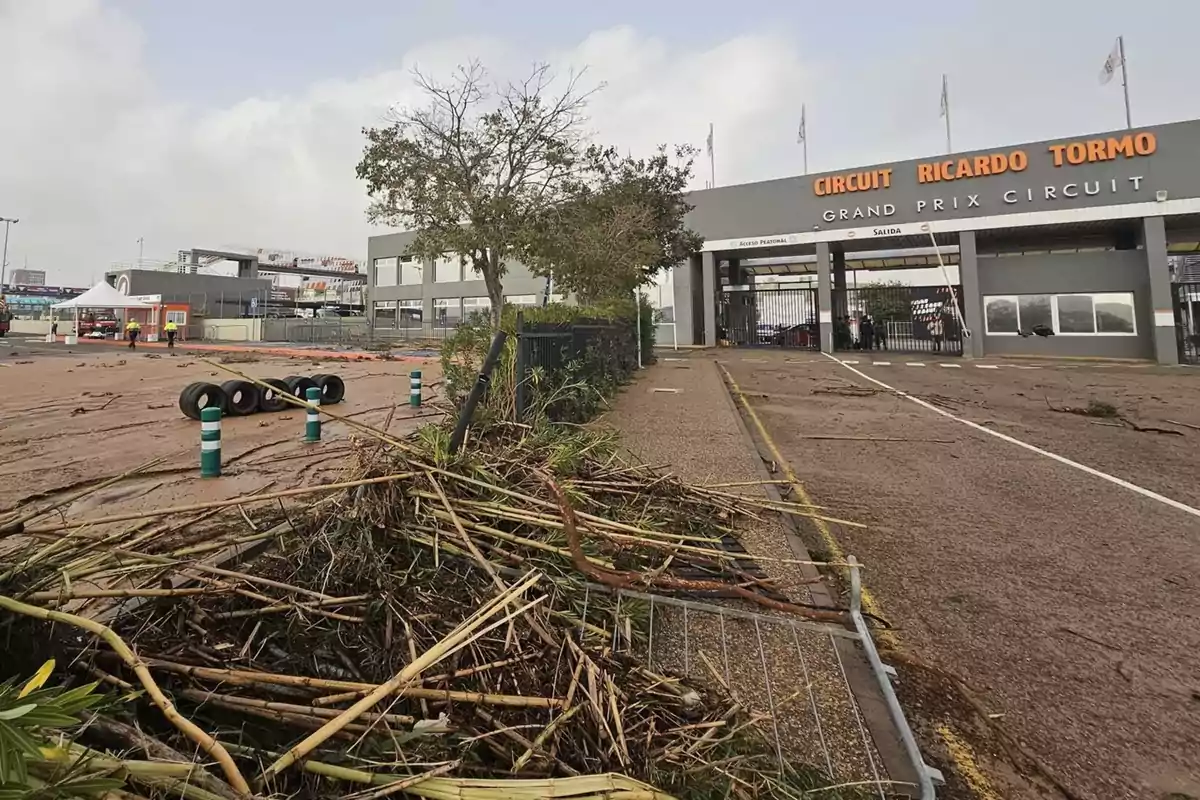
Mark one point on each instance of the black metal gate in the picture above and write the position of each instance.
(1187, 321)
(766, 316)
(900, 319)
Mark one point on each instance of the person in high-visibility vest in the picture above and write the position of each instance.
(172, 330)
(132, 329)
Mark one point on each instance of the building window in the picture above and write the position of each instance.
(522, 299)
(385, 314)
(1114, 313)
(1076, 314)
(178, 317)
(470, 273)
(1035, 309)
(410, 271)
(385, 271)
(1099, 314)
(476, 305)
(1000, 315)
(447, 311)
(410, 313)
(447, 269)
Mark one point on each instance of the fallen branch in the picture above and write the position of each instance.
(188, 728)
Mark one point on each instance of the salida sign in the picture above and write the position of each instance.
(946, 171)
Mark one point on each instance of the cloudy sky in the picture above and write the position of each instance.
(236, 122)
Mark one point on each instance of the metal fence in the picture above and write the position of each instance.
(1187, 321)
(769, 315)
(548, 354)
(902, 319)
(807, 680)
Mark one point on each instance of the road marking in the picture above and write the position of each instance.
(987, 366)
(916, 364)
(1124, 484)
(951, 366)
(881, 363)
(968, 765)
(1019, 366)
(851, 362)
(869, 603)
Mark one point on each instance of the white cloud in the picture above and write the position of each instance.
(94, 154)
(105, 157)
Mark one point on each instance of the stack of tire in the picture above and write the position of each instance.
(238, 398)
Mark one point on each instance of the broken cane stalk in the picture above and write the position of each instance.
(188, 728)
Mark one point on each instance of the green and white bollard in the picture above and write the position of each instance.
(312, 419)
(210, 442)
(414, 388)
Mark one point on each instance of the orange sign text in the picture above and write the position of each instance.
(973, 167)
(1091, 150)
(853, 182)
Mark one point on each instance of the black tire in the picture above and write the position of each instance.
(299, 385)
(333, 389)
(271, 400)
(242, 397)
(201, 395)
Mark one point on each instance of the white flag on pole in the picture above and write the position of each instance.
(710, 140)
(945, 106)
(1111, 63)
(800, 134)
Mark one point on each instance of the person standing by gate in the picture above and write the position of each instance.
(866, 332)
(881, 334)
(171, 330)
(132, 329)
(936, 331)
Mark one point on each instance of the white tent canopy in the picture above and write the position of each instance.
(102, 296)
(99, 296)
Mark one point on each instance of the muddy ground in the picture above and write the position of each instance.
(1069, 605)
(71, 419)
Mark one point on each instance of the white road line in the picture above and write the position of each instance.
(1019, 366)
(1124, 484)
(881, 363)
(849, 362)
(915, 364)
(987, 366)
(951, 366)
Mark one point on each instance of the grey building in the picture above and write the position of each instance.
(1061, 249)
(207, 296)
(27, 277)
(405, 292)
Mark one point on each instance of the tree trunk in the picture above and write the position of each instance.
(495, 288)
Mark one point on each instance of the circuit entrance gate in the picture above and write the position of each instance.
(770, 315)
(899, 319)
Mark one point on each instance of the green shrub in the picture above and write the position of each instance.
(574, 390)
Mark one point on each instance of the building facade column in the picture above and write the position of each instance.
(427, 311)
(841, 304)
(824, 297)
(683, 283)
(972, 303)
(1154, 240)
(708, 293)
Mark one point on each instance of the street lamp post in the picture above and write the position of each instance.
(8, 221)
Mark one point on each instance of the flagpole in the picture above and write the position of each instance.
(946, 95)
(1125, 81)
(804, 138)
(712, 159)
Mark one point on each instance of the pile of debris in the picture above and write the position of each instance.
(442, 626)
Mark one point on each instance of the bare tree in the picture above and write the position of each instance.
(474, 169)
